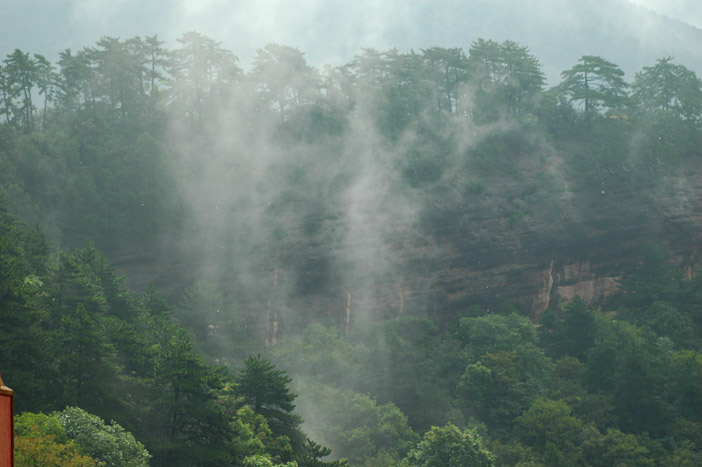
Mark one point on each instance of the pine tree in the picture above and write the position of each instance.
(265, 390)
(596, 82)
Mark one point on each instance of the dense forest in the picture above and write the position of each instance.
(345, 266)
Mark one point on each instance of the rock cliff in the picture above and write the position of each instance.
(534, 237)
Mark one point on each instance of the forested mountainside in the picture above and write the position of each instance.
(415, 253)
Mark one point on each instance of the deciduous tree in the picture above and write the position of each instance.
(449, 446)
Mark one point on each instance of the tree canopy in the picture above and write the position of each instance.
(595, 82)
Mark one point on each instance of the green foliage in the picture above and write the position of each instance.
(567, 383)
(656, 296)
(265, 461)
(220, 332)
(498, 387)
(202, 311)
(549, 427)
(23, 313)
(430, 156)
(285, 80)
(184, 418)
(632, 364)
(324, 352)
(37, 450)
(493, 333)
(449, 446)
(506, 369)
(28, 424)
(669, 88)
(74, 437)
(85, 368)
(312, 454)
(686, 370)
(119, 357)
(448, 70)
(596, 82)
(497, 154)
(251, 433)
(507, 76)
(409, 367)
(108, 443)
(653, 279)
(20, 77)
(557, 115)
(614, 448)
(265, 389)
(568, 331)
(514, 453)
(355, 425)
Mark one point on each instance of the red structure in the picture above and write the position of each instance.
(7, 440)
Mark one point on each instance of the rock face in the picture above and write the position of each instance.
(551, 259)
(548, 261)
(474, 250)
(579, 281)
